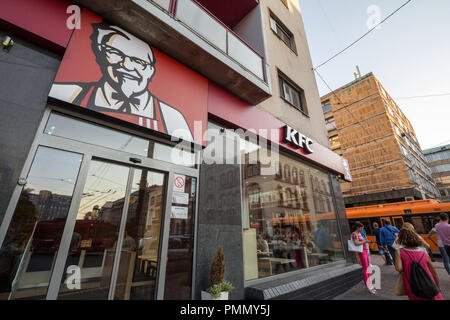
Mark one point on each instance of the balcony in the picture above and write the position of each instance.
(210, 37)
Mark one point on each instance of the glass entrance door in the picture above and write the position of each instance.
(79, 226)
(31, 243)
(114, 245)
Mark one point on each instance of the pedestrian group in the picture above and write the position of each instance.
(409, 253)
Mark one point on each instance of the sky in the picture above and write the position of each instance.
(409, 54)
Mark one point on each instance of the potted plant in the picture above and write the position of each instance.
(219, 287)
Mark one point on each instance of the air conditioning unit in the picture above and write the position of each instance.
(409, 198)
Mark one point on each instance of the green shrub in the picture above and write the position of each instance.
(217, 281)
(226, 286)
(218, 288)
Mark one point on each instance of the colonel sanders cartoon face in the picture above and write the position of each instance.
(127, 63)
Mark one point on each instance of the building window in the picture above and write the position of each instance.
(252, 170)
(282, 32)
(292, 94)
(294, 176)
(330, 124)
(254, 196)
(287, 174)
(334, 142)
(326, 108)
(285, 2)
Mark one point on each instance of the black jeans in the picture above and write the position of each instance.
(392, 252)
(447, 248)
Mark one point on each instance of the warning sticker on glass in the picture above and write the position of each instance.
(179, 212)
(179, 182)
(180, 198)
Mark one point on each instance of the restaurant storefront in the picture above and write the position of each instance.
(93, 213)
(107, 204)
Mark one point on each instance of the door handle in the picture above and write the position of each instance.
(135, 160)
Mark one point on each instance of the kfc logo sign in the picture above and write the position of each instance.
(296, 139)
(109, 70)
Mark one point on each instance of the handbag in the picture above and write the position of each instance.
(400, 290)
(353, 247)
(396, 246)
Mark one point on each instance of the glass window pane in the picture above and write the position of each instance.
(273, 24)
(31, 243)
(84, 131)
(139, 258)
(173, 155)
(94, 239)
(63, 126)
(286, 91)
(181, 240)
(294, 222)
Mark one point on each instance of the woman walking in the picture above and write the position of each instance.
(358, 240)
(423, 244)
(410, 254)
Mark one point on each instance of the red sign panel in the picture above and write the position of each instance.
(107, 69)
(237, 113)
(44, 19)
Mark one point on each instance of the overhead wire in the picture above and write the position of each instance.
(363, 36)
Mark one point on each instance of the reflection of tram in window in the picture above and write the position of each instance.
(94, 235)
(421, 213)
(88, 249)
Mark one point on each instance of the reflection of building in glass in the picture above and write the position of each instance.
(51, 205)
(289, 220)
(145, 211)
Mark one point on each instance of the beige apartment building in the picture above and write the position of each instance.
(367, 127)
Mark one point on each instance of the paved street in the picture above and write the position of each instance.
(389, 282)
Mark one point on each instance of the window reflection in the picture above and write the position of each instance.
(180, 252)
(289, 222)
(94, 240)
(75, 129)
(34, 234)
(139, 257)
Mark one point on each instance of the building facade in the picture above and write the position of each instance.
(142, 135)
(367, 127)
(439, 161)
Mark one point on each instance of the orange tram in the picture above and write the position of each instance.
(421, 213)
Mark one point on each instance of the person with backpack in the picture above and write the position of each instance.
(419, 275)
(388, 234)
(382, 250)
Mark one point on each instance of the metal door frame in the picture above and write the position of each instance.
(104, 154)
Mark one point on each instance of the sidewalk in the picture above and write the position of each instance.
(389, 282)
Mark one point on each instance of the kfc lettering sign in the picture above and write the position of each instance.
(296, 139)
(108, 70)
